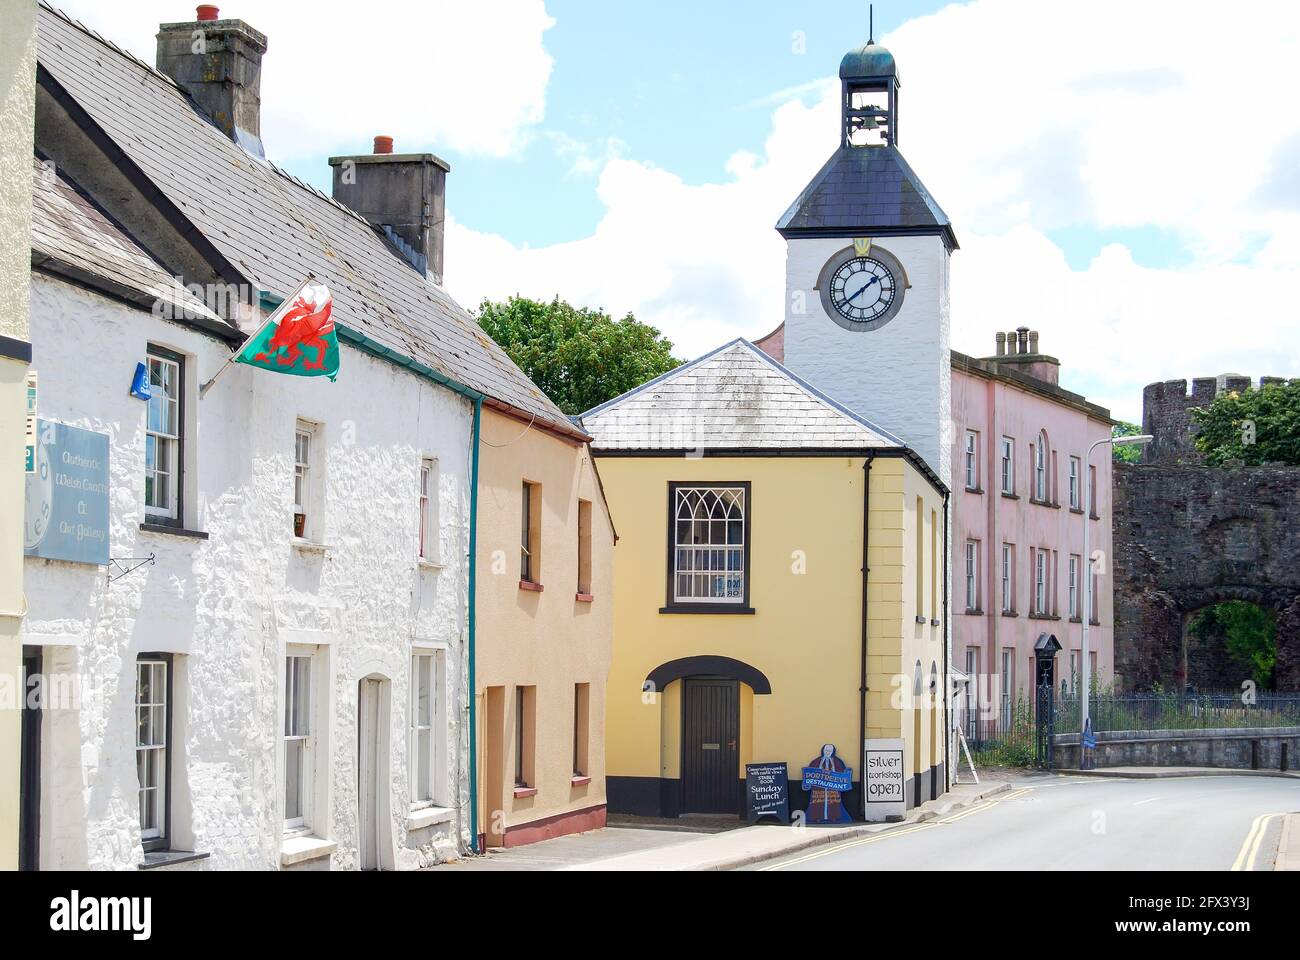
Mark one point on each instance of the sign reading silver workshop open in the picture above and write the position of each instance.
(882, 778)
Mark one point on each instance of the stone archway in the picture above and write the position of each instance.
(1187, 536)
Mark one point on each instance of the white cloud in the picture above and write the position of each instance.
(471, 77)
(1022, 118)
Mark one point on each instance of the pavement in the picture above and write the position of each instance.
(695, 843)
(1068, 822)
(1165, 773)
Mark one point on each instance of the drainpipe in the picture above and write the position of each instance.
(473, 583)
(947, 733)
(866, 577)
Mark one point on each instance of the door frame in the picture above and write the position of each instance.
(735, 685)
(29, 804)
(382, 792)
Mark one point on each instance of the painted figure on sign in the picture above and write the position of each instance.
(827, 778)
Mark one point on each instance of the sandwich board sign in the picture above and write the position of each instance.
(767, 791)
(883, 779)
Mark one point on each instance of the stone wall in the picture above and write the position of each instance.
(1187, 535)
(1236, 748)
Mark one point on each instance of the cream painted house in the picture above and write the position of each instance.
(17, 108)
(544, 620)
(779, 587)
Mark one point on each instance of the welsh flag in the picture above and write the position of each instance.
(298, 338)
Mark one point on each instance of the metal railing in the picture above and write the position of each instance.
(1009, 733)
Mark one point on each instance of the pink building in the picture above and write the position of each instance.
(1021, 487)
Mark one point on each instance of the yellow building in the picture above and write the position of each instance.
(544, 625)
(17, 131)
(741, 631)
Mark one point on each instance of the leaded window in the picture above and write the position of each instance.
(709, 544)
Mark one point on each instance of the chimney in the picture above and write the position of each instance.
(219, 63)
(404, 194)
(1018, 351)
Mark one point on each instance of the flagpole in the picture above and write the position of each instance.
(230, 361)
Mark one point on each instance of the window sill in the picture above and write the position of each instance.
(921, 620)
(170, 531)
(303, 849)
(428, 816)
(1043, 616)
(934, 622)
(584, 597)
(1010, 496)
(166, 858)
(970, 612)
(1076, 619)
(1093, 516)
(979, 490)
(521, 792)
(1076, 510)
(1044, 503)
(431, 565)
(579, 781)
(708, 608)
(530, 586)
(1010, 613)
(1094, 623)
(310, 546)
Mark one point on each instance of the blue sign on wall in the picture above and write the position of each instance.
(66, 514)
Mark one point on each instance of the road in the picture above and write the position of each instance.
(1077, 823)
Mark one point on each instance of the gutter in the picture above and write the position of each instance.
(947, 733)
(866, 577)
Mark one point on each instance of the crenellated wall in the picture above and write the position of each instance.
(1167, 413)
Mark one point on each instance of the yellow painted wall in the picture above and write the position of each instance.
(548, 640)
(17, 130)
(805, 514)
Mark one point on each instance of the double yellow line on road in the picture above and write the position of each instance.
(901, 831)
(1250, 846)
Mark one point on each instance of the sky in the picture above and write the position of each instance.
(1123, 177)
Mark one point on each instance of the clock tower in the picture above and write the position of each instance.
(867, 256)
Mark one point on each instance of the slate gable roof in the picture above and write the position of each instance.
(736, 397)
(274, 228)
(866, 191)
(72, 237)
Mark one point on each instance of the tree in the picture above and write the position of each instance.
(579, 357)
(1126, 454)
(1248, 632)
(1253, 426)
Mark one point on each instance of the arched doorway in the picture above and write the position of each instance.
(1228, 643)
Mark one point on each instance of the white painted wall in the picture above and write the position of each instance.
(228, 605)
(898, 376)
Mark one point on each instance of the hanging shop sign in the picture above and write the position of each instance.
(66, 513)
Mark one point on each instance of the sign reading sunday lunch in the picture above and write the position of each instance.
(66, 516)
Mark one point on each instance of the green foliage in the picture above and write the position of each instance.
(579, 357)
(1126, 454)
(1247, 631)
(1253, 426)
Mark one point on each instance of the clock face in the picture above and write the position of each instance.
(863, 289)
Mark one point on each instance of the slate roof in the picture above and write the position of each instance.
(735, 397)
(71, 236)
(866, 191)
(271, 226)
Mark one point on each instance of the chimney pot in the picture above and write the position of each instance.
(1033, 341)
(383, 144)
(1002, 343)
(208, 11)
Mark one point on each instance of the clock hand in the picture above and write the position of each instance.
(864, 289)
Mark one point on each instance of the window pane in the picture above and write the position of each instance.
(423, 782)
(293, 757)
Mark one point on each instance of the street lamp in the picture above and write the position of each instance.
(1135, 441)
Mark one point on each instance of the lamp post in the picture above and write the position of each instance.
(1138, 440)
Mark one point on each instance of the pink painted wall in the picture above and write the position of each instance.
(994, 408)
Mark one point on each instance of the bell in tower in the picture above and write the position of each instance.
(867, 251)
(869, 79)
